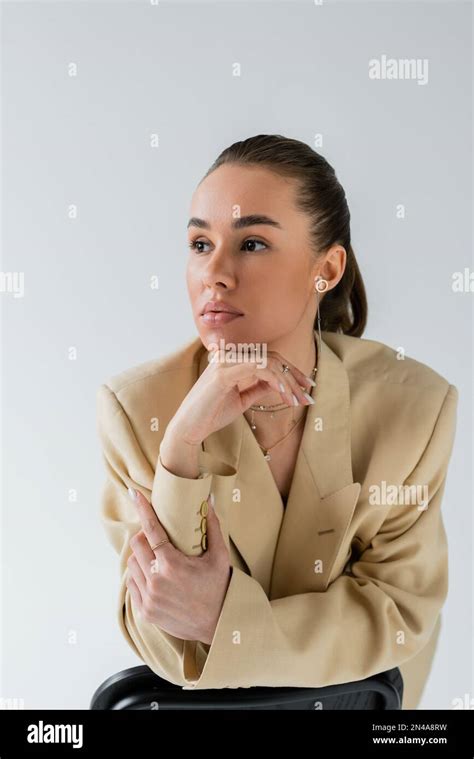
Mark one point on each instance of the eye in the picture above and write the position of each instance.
(254, 240)
(193, 244)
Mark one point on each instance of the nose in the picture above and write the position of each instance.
(218, 271)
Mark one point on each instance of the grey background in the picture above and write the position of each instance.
(144, 69)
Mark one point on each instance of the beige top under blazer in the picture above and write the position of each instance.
(333, 588)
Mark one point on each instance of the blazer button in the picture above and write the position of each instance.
(204, 542)
(204, 524)
(204, 508)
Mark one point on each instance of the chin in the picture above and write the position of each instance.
(228, 332)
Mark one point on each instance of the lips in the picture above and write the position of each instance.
(219, 317)
(220, 307)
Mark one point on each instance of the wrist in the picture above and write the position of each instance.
(174, 436)
(178, 456)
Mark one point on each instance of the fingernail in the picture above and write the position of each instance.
(295, 400)
(211, 497)
(311, 381)
(281, 386)
(133, 494)
(308, 397)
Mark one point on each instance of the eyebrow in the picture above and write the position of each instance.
(243, 221)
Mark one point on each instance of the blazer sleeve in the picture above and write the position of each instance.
(179, 499)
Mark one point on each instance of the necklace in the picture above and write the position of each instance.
(266, 451)
(274, 408)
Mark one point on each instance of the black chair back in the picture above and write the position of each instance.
(140, 688)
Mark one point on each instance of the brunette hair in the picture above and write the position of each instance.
(320, 195)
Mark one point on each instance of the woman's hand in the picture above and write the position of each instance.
(181, 594)
(215, 400)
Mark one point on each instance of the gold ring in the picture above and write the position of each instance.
(153, 548)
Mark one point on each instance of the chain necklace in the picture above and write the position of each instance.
(273, 409)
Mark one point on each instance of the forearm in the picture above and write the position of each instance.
(179, 457)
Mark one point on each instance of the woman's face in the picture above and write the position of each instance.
(263, 266)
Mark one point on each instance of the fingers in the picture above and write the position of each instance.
(283, 382)
(253, 393)
(300, 377)
(152, 528)
(136, 573)
(135, 593)
(295, 378)
(145, 557)
(292, 383)
(216, 545)
(289, 384)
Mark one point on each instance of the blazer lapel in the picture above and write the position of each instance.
(291, 550)
(323, 494)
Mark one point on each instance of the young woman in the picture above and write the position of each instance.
(324, 558)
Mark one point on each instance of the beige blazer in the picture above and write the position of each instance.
(349, 579)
